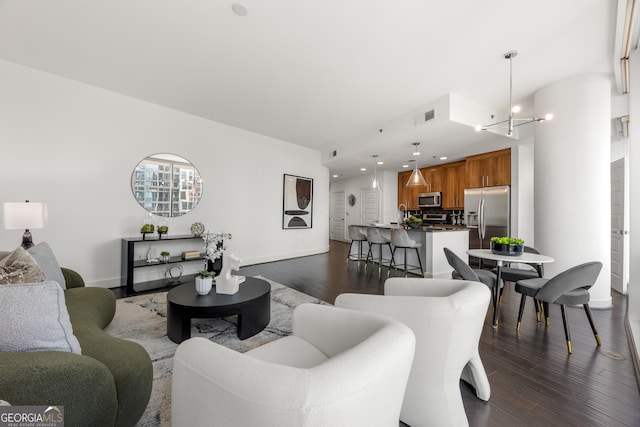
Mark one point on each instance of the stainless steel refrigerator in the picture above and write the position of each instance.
(487, 213)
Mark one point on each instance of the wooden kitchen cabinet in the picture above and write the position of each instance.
(488, 169)
(433, 176)
(408, 195)
(454, 182)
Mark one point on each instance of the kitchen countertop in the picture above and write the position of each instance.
(423, 228)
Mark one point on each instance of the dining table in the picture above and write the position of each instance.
(524, 258)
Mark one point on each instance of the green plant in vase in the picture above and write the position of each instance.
(413, 221)
(507, 240)
(507, 245)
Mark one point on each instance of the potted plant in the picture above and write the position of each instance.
(204, 282)
(507, 246)
(165, 256)
(213, 249)
(413, 221)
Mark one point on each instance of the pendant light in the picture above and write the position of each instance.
(416, 179)
(512, 122)
(375, 184)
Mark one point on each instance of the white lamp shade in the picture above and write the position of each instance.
(24, 215)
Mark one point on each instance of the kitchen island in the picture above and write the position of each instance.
(433, 238)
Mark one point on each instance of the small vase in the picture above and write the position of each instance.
(203, 285)
(215, 267)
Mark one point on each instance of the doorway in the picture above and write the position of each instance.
(619, 231)
(337, 217)
(370, 206)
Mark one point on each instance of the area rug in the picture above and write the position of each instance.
(142, 319)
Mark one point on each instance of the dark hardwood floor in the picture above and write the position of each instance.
(533, 379)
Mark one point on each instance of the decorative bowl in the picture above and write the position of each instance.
(506, 249)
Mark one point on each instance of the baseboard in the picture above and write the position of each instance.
(284, 256)
(633, 349)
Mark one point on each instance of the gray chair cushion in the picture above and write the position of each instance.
(575, 297)
(530, 287)
(514, 274)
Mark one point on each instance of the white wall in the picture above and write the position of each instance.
(74, 147)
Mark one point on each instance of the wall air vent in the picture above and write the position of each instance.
(421, 118)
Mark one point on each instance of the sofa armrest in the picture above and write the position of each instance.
(72, 278)
(84, 386)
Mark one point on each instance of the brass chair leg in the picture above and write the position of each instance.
(587, 310)
(523, 301)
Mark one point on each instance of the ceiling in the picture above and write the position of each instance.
(329, 75)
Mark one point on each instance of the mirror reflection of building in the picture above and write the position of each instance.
(166, 185)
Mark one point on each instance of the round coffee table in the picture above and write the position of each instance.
(252, 304)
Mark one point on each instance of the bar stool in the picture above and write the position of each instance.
(375, 237)
(356, 235)
(400, 239)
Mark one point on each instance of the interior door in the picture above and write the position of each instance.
(619, 239)
(337, 218)
(370, 206)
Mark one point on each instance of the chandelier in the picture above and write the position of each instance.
(512, 122)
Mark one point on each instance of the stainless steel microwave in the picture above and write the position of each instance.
(430, 200)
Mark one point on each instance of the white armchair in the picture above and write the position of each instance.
(447, 317)
(339, 367)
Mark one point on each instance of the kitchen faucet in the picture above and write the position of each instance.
(403, 207)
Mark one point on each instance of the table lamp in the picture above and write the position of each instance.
(19, 215)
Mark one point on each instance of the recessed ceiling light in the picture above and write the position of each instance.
(363, 169)
(380, 162)
(335, 175)
(443, 158)
(239, 9)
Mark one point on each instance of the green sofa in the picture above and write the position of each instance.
(109, 384)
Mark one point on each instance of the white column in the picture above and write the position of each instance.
(572, 177)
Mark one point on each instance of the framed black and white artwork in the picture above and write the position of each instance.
(297, 202)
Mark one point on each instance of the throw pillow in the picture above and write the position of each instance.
(34, 317)
(20, 267)
(48, 263)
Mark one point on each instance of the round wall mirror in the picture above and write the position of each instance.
(166, 185)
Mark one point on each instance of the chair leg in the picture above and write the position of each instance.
(565, 320)
(537, 305)
(587, 310)
(391, 253)
(369, 254)
(545, 309)
(405, 262)
(393, 260)
(419, 262)
(523, 300)
(349, 253)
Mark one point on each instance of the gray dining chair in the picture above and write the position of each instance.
(571, 287)
(376, 238)
(357, 236)
(462, 271)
